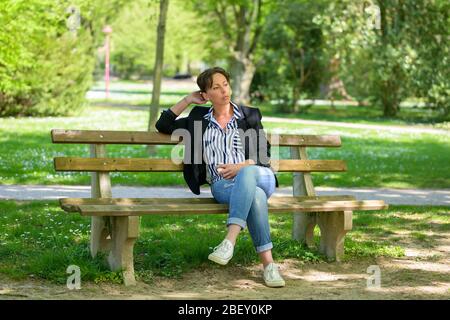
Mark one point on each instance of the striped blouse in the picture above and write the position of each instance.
(221, 146)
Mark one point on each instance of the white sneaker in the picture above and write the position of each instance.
(272, 276)
(222, 253)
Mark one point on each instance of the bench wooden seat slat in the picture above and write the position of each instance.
(216, 208)
(144, 137)
(68, 203)
(307, 206)
(165, 165)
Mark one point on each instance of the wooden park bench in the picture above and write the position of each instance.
(115, 221)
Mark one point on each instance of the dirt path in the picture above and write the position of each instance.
(424, 273)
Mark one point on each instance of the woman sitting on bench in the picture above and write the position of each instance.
(242, 181)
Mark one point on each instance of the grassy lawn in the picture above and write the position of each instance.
(375, 158)
(363, 114)
(39, 240)
(138, 94)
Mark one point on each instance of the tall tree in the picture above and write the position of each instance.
(157, 72)
(46, 63)
(240, 23)
(391, 50)
(293, 53)
(185, 43)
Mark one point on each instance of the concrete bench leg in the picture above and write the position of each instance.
(125, 231)
(100, 235)
(333, 227)
(303, 228)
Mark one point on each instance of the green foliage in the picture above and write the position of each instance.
(45, 68)
(134, 39)
(431, 70)
(293, 54)
(391, 50)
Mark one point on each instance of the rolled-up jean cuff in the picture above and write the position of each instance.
(265, 247)
(237, 221)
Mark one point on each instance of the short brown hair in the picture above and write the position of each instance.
(205, 79)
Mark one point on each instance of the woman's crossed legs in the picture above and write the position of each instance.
(247, 196)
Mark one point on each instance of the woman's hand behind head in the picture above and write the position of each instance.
(196, 97)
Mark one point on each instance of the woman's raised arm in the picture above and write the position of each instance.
(194, 97)
(168, 121)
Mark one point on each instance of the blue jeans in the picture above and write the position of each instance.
(247, 195)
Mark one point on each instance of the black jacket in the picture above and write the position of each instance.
(194, 172)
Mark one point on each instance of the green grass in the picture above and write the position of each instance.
(137, 93)
(39, 240)
(363, 114)
(378, 158)
(375, 158)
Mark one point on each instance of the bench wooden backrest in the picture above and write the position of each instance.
(100, 163)
(298, 143)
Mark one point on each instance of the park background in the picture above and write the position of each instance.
(374, 72)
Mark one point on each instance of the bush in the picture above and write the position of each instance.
(293, 61)
(45, 68)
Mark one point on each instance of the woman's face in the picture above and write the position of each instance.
(220, 91)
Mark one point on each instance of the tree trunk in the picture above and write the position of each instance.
(390, 101)
(242, 71)
(389, 96)
(390, 108)
(241, 43)
(295, 96)
(157, 73)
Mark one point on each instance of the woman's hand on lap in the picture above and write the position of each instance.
(229, 171)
